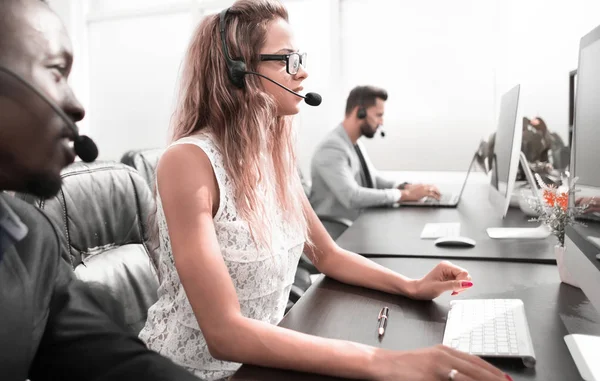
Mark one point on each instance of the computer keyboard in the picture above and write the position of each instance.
(490, 328)
(445, 199)
(438, 230)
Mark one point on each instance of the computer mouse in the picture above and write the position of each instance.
(454, 241)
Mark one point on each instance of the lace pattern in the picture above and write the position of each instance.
(262, 279)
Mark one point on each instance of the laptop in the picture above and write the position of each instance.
(447, 200)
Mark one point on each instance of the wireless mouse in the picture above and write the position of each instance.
(454, 241)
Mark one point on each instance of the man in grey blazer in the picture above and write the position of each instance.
(343, 179)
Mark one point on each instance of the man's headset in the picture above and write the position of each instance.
(236, 68)
(361, 113)
(84, 147)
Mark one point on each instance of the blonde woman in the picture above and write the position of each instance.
(233, 221)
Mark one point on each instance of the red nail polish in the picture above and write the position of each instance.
(454, 293)
(466, 284)
(509, 378)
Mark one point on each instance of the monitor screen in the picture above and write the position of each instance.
(572, 89)
(587, 116)
(505, 139)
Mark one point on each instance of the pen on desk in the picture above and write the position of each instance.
(383, 317)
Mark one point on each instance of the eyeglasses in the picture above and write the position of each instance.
(292, 60)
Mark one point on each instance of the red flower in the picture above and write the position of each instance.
(563, 200)
(549, 197)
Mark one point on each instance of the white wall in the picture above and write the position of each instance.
(435, 59)
(314, 23)
(444, 63)
(539, 46)
(134, 65)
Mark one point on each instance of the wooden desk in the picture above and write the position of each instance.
(335, 310)
(396, 232)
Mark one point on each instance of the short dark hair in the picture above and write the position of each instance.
(364, 96)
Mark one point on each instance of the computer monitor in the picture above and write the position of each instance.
(582, 243)
(572, 87)
(582, 261)
(505, 157)
(504, 168)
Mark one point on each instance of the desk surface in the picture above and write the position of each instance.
(335, 310)
(396, 231)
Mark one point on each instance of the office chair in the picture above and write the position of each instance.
(101, 211)
(335, 226)
(144, 161)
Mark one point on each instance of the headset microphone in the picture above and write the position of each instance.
(312, 99)
(236, 68)
(382, 132)
(84, 147)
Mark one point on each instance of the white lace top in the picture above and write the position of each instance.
(262, 279)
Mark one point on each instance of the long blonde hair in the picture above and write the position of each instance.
(257, 145)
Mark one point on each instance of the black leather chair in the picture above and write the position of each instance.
(144, 161)
(102, 211)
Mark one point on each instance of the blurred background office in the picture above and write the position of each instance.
(444, 63)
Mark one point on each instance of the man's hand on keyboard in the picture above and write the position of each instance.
(592, 202)
(444, 277)
(415, 192)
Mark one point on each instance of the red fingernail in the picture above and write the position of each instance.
(454, 293)
(466, 284)
(509, 378)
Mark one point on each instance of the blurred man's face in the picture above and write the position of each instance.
(374, 119)
(34, 142)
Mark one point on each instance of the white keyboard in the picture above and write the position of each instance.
(490, 328)
(438, 230)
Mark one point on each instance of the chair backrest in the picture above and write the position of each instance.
(305, 182)
(102, 210)
(144, 161)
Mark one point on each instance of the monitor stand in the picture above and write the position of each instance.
(584, 350)
(540, 232)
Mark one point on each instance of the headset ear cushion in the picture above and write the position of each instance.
(237, 71)
(361, 113)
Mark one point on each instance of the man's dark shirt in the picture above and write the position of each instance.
(12, 230)
(54, 327)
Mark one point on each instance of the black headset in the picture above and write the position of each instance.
(236, 69)
(361, 113)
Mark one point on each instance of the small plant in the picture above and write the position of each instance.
(555, 211)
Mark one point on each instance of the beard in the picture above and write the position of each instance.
(43, 185)
(367, 131)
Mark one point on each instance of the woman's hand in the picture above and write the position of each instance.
(438, 363)
(444, 277)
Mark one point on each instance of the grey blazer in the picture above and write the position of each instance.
(339, 184)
